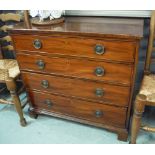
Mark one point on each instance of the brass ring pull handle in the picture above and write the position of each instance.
(99, 92)
(40, 64)
(98, 113)
(99, 71)
(48, 102)
(44, 84)
(99, 49)
(37, 44)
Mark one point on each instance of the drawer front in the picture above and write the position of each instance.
(98, 91)
(94, 112)
(83, 47)
(94, 70)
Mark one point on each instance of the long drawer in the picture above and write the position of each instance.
(94, 112)
(83, 47)
(98, 91)
(80, 68)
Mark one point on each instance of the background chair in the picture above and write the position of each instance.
(146, 94)
(9, 70)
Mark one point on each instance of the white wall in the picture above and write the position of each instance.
(120, 13)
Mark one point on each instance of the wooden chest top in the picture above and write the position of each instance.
(90, 26)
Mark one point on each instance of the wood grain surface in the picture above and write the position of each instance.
(80, 68)
(115, 50)
(89, 26)
(80, 109)
(68, 63)
(84, 89)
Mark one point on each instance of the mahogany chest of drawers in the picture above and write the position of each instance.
(82, 70)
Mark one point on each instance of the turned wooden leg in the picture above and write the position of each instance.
(136, 121)
(11, 85)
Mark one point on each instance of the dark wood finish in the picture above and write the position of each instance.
(122, 28)
(32, 114)
(81, 47)
(123, 136)
(67, 55)
(80, 109)
(112, 94)
(80, 68)
(122, 132)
